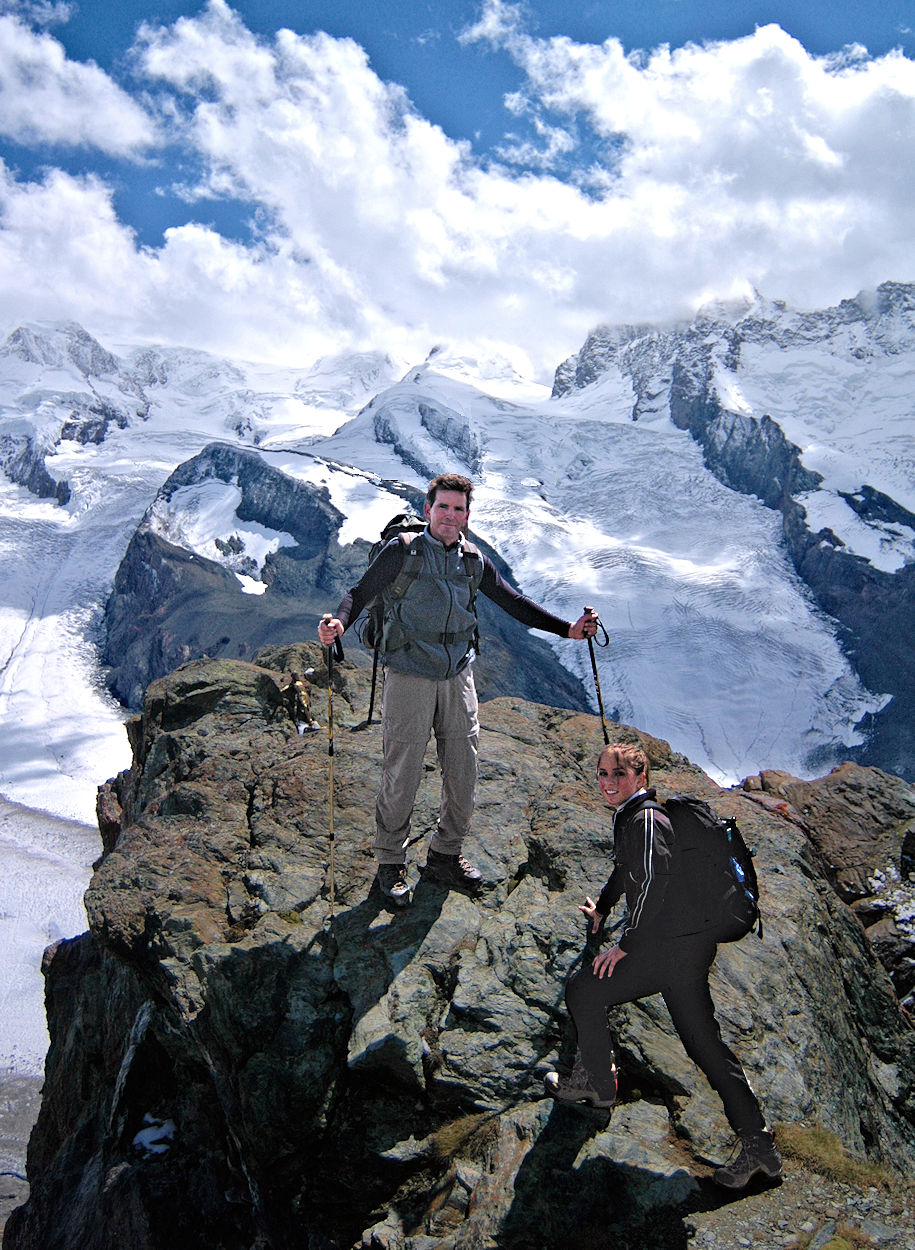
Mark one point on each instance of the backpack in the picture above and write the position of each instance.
(714, 868)
(404, 526)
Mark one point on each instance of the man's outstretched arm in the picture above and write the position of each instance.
(494, 587)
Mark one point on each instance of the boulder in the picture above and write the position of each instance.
(860, 821)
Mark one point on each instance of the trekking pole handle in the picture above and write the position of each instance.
(337, 644)
(600, 625)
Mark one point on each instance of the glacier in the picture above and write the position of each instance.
(715, 643)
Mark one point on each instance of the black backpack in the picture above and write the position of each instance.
(714, 869)
(405, 524)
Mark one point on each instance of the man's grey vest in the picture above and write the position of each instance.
(430, 627)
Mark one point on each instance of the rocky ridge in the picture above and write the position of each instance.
(232, 1066)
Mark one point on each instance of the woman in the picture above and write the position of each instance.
(659, 951)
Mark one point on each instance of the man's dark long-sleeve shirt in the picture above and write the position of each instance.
(382, 571)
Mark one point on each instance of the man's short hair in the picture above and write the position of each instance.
(629, 755)
(449, 481)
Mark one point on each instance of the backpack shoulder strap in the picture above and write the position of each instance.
(473, 567)
(473, 564)
(410, 569)
(647, 802)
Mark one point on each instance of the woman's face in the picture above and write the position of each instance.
(617, 782)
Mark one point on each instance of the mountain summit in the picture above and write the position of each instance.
(812, 414)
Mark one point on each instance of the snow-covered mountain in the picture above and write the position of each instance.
(837, 385)
(716, 643)
(814, 414)
(684, 480)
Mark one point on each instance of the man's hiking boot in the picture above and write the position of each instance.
(577, 1087)
(757, 1154)
(392, 882)
(452, 870)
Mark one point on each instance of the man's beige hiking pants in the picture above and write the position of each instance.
(412, 709)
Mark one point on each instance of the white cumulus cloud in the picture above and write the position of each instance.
(709, 170)
(47, 98)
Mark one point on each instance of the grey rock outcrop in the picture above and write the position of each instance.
(859, 821)
(230, 1066)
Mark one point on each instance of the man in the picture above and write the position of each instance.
(661, 950)
(428, 587)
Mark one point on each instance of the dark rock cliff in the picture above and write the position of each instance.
(233, 1067)
(169, 605)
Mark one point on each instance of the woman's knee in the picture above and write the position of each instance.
(583, 998)
(575, 992)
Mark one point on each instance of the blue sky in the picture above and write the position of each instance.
(289, 179)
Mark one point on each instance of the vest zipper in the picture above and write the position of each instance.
(451, 669)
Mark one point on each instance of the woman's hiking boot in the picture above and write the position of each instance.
(392, 882)
(452, 870)
(578, 1087)
(757, 1153)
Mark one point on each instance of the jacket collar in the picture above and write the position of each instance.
(458, 545)
(634, 801)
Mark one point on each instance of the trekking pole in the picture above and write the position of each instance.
(368, 719)
(600, 697)
(330, 653)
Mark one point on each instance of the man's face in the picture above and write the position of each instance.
(447, 515)
(617, 782)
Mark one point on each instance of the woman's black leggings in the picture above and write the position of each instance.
(678, 970)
